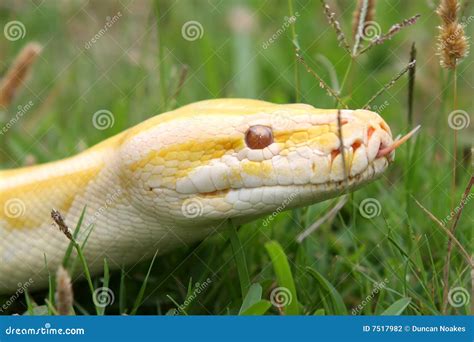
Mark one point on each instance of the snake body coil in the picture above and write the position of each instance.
(177, 177)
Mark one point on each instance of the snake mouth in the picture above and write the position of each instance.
(371, 172)
(384, 151)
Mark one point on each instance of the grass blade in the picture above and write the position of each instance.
(336, 299)
(68, 253)
(257, 309)
(397, 308)
(51, 287)
(141, 293)
(284, 275)
(240, 261)
(253, 296)
(105, 284)
(122, 292)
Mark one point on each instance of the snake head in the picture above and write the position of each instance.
(241, 159)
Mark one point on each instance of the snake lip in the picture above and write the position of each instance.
(339, 184)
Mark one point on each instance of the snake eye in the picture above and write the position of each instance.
(258, 137)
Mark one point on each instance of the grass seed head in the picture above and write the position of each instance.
(452, 41)
(64, 295)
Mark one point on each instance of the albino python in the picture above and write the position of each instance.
(179, 176)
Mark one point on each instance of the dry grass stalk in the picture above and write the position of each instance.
(370, 15)
(452, 238)
(390, 33)
(322, 84)
(390, 84)
(463, 251)
(362, 9)
(396, 28)
(17, 73)
(59, 220)
(411, 85)
(327, 217)
(64, 295)
(183, 73)
(331, 16)
(452, 41)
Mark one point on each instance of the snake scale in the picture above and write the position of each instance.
(178, 177)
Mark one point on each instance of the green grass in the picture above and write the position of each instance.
(132, 73)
